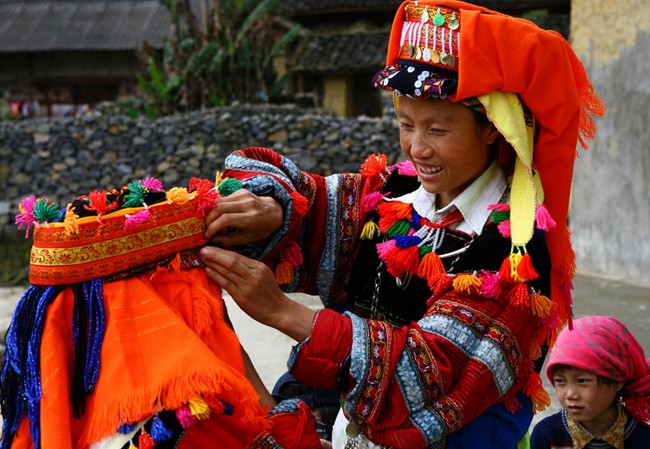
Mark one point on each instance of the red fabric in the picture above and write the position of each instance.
(460, 387)
(604, 346)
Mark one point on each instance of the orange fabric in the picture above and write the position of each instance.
(499, 52)
(104, 248)
(166, 342)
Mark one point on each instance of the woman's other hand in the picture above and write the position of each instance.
(252, 285)
(242, 218)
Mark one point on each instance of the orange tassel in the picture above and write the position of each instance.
(467, 283)
(535, 352)
(392, 211)
(300, 204)
(540, 305)
(519, 296)
(431, 265)
(535, 391)
(373, 165)
(284, 272)
(525, 269)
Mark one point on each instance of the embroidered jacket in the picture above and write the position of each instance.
(426, 369)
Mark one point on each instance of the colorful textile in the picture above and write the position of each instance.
(553, 433)
(402, 367)
(122, 338)
(604, 346)
(563, 107)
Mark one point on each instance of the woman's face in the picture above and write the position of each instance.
(445, 143)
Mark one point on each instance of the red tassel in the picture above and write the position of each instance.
(400, 261)
(525, 269)
(440, 284)
(300, 203)
(505, 272)
(519, 295)
(145, 441)
(374, 165)
(431, 265)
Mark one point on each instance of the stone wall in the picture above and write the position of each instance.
(610, 208)
(64, 158)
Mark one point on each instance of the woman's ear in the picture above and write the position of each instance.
(492, 133)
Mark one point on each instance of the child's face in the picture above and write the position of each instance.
(445, 143)
(588, 400)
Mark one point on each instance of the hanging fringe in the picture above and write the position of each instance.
(590, 106)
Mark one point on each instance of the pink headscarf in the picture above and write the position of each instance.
(604, 346)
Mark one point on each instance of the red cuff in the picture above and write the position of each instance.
(318, 361)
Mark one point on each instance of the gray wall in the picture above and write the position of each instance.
(610, 210)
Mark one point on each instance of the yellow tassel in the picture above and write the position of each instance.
(284, 272)
(431, 265)
(199, 409)
(132, 446)
(467, 283)
(70, 221)
(515, 259)
(219, 179)
(540, 305)
(177, 195)
(370, 229)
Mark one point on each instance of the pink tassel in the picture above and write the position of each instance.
(25, 218)
(543, 218)
(504, 228)
(152, 184)
(491, 285)
(137, 219)
(384, 247)
(370, 201)
(405, 168)
(185, 417)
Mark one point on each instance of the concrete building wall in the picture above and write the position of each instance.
(610, 210)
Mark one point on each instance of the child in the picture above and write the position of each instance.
(602, 380)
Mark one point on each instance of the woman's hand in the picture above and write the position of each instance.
(242, 218)
(252, 285)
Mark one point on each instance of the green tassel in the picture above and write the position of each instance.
(229, 186)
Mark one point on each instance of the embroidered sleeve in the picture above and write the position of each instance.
(410, 386)
(323, 219)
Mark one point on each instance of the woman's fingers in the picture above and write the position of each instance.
(242, 218)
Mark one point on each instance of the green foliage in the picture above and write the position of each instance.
(214, 56)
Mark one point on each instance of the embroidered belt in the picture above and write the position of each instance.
(108, 247)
